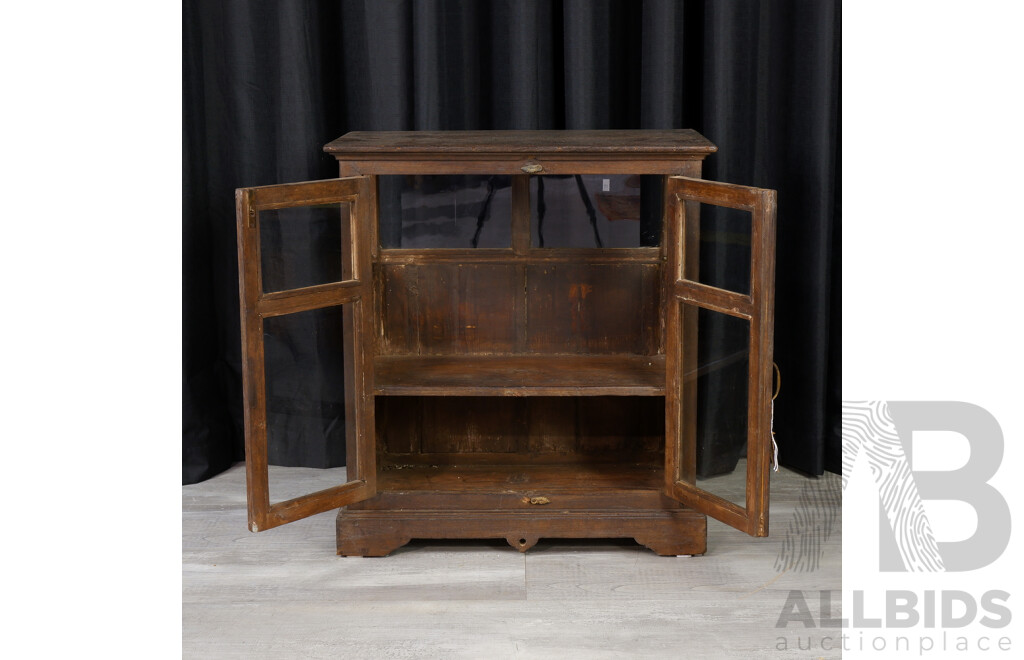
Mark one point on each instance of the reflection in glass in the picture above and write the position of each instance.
(445, 211)
(715, 381)
(302, 246)
(724, 247)
(305, 391)
(596, 210)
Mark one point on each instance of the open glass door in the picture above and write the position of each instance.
(304, 269)
(719, 300)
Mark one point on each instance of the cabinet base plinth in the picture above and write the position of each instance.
(376, 533)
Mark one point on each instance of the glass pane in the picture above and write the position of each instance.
(596, 210)
(716, 361)
(305, 389)
(304, 246)
(445, 211)
(724, 259)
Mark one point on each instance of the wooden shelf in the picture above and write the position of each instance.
(521, 375)
(607, 479)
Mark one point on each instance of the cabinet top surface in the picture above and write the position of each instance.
(680, 142)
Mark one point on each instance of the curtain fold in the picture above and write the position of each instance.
(266, 85)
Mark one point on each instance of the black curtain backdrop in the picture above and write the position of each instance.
(266, 85)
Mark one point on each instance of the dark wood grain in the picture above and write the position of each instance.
(553, 427)
(609, 144)
(667, 532)
(541, 429)
(592, 309)
(306, 193)
(516, 152)
(460, 426)
(520, 375)
(519, 500)
(307, 298)
(729, 195)
(449, 308)
(526, 478)
(511, 164)
(720, 300)
(527, 255)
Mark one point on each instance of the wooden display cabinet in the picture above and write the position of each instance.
(535, 331)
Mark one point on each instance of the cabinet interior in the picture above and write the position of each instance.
(514, 364)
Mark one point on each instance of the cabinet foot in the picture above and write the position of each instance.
(366, 537)
(669, 545)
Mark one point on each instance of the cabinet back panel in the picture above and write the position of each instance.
(522, 428)
(448, 308)
(593, 308)
(516, 307)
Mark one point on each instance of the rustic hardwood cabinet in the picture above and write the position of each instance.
(534, 332)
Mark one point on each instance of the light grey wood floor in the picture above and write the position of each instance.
(284, 593)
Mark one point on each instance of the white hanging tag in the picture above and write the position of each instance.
(775, 447)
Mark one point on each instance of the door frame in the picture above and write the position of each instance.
(354, 293)
(682, 239)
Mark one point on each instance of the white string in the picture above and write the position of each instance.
(775, 447)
